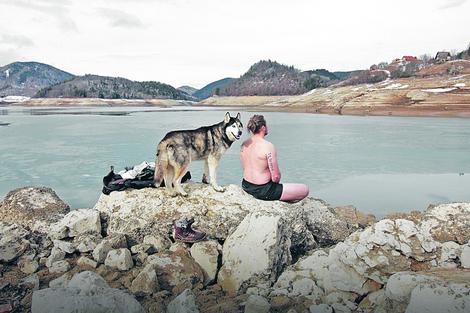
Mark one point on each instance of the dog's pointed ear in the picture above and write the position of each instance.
(239, 116)
(227, 117)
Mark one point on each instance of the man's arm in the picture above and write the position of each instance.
(273, 165)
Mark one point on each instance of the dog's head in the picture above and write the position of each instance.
(233, 126)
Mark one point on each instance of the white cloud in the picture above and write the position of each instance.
(447, 4)
(118, 18)
(189, 42)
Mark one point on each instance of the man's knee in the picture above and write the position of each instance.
(303, 191)
(306, 191)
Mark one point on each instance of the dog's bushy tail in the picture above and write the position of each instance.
(161, 162)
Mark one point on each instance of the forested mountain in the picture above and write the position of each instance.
(26, 78)
(94, 86)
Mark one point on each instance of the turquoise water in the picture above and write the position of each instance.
(378, 164)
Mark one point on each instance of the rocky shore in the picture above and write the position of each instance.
(259, 256)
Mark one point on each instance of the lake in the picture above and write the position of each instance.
(378, 164)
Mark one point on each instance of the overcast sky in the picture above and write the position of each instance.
(194, 42)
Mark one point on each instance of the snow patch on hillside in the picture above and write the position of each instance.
(13, 99)
(439, 90)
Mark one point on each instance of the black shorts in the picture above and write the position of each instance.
(269, 191)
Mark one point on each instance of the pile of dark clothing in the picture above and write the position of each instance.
(137, 177)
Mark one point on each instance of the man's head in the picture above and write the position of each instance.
(257, 125)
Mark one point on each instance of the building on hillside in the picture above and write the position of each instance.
(442, 56)
(374, 67)
(409, 58)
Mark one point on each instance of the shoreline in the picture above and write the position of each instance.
(265, 104)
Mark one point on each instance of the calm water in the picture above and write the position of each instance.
(379, 164)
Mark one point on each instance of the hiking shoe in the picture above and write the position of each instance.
(182, 231)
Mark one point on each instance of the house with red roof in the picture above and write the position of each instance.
(409, 58)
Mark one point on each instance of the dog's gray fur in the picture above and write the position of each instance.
(178, 148)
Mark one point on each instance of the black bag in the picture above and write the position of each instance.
(115, 182)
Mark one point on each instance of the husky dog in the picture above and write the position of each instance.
(178, 148)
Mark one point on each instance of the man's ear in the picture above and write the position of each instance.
(227, 117)
(238, 116)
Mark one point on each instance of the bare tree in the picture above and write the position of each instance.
(426, 58)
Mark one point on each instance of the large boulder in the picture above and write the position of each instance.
(77, 222)
(12, 242)
(175, 268)
(117, 241)
(440, 297)
(257, 250)
(120, 259)
(87, 292)
(149, 210)
(146, 281)
(33, 207)
(432, 291)
(183, 303)
(206, 254)
(448, 222)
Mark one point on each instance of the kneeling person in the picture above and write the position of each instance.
(261, 175)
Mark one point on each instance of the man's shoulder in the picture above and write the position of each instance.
(267, 144)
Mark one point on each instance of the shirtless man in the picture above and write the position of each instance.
(261, 175)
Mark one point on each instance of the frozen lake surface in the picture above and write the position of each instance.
(378, 164)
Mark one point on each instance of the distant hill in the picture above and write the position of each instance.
(188, 89)
(270, 78)
(27, 78)
(211, 89)
(342, 75)
(94, 86)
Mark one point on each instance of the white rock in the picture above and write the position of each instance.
(87, 292)
(258, 247)
(56, 255)
(86, 243)
(450, 252)
(257, 304)
(120, 259)
(146, 282)
(400, 285)
(341, 308)
(112, 242)
(183, 303)
(178, 245)
(142, 248)
(87, 282)
(206, 254)
(86, 262)
(67, 247)
(28, 266)
(12, 244)
(59, 267)
(320, 308)
(439, 298)
(302, 287)
(175, 268)
(159, 242)
(77, 222)
(61, 281)
(218, 214)
(465, 256)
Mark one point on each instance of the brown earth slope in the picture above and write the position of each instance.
(428, 95)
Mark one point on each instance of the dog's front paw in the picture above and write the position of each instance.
(218, 188)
